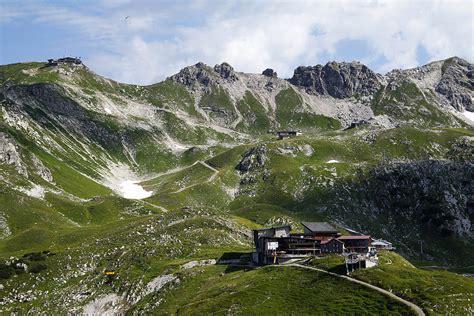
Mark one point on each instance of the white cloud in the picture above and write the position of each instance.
(159, 38)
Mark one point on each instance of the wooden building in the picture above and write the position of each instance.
(381, 244)
(64, 60)
(332, 246)
(267, 241)
(324, 230)
(287, 134)
(357, 244)
(277, 245)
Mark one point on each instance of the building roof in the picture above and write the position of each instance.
(363, 237)
(323, 242)
(270, 228)
(319, 227)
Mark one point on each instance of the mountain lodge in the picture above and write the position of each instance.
(287, 134)
(64, 60)
(277, 245)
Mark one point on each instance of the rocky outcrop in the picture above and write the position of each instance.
(436, 193)
(41, 169)
(191, 76)
(339, 80)
(462, 149)
(411, 202)
(457, 83)
(9, 154)
(201, 75)
(252, 167)
(226, 71)
(269, 73)
(253, 160)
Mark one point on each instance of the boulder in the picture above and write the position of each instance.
(269, 73)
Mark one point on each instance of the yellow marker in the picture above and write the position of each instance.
(109, 272)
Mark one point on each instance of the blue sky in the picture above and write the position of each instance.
(145, 41)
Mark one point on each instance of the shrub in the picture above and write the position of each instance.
(6, 271)
(38, 267)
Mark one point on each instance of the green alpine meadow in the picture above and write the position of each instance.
(144, 199)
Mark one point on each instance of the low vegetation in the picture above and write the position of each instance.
(436, 292)
(271, 290)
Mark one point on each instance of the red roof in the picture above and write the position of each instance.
(323, 242)
(355, 237)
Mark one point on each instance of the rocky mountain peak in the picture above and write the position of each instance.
(269, 73)
(457, 83)
(204, 75)
(190, 76)
(226, 71)
(339, 80)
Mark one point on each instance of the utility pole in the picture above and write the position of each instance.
(421, 250)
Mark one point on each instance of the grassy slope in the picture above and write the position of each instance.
(255, 120)
(407, 103)
(273, 290)
(437, 292)
(290, 114)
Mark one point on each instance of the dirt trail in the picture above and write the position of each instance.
(414, 307)
(155, 206)
(211, 178)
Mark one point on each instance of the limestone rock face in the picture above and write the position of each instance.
(457, 83)
(201, 75)
(193, 75)
(41, 169)
(9, 154)
(55, 105)
(339, 80)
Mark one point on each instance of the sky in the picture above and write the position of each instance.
(146, 41)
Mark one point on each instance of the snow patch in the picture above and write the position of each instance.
(123, 181)
(131, 190)
(333, 161)
(469, 115)
(107, 110)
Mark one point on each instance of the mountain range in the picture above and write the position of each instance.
(97, 174)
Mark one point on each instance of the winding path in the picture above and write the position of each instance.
(155, 206)
(211, 178)
(414, 307)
